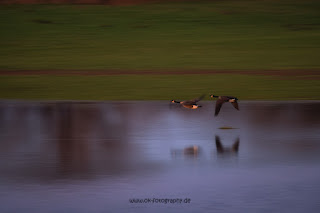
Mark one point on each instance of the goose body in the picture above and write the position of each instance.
(190, 104)
(222, 99)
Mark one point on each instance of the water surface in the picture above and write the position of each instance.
(97, 156)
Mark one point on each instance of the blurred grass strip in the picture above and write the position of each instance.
(231, 34)
(157, 87)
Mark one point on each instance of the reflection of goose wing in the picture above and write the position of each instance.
(235, 104)
(218, 106)
(219, 144)
(235, 146)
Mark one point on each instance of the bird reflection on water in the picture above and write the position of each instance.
(227, 150)
(122, 149)
(194, 151)
(189, 152)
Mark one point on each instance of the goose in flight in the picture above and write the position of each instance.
(223, 99)
(190, 104)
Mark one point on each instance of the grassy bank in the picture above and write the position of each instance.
(203, 35)
(157, 87)
(213, 35)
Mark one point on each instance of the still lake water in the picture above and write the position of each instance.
(97, 156)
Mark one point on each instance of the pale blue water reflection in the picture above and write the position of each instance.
(96, 156)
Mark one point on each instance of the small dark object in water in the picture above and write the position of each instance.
(227, 127)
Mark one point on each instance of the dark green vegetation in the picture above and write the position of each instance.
(226, 35)
(156, 87)
(246, 34)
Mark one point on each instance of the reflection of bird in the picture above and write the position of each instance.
(190, 151)
(233, 148)
(222, 99)
(190, 104)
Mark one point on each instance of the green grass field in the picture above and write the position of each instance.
(234, 34)
(157, 87)
(224, 35)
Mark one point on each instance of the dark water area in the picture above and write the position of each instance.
(104, 156)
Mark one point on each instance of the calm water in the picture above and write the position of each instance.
(96, 156)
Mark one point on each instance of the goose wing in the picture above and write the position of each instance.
(192, 102)
(198, 99)
(219, 144)
(218, 106)
(230, 97)
(235, 104)
(187, 103)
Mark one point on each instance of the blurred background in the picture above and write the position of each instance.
(156, 50)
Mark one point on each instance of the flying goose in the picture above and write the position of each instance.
(190, 104)
(222, 99)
